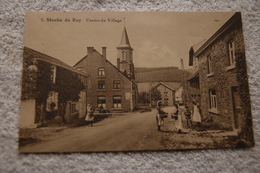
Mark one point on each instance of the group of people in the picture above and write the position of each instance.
(193, 117)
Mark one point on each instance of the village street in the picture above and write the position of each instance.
(125, 132)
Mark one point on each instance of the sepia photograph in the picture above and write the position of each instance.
(134, 81)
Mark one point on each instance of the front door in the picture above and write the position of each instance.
(236, 107)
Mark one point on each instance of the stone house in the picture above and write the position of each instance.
(168, 93)
(43, 88)
(111, 87)
(167, 90)
(220, 79)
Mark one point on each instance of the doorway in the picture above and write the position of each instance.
(236, 107)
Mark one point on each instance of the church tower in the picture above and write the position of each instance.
(125, 56)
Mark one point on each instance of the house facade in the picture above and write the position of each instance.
(50, 88)
(220, 80)
(167, 93)
(166, 89)
(110, 87)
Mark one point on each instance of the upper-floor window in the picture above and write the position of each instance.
(101, 84)
(116, 84)
(231, 52)
(84, 80)
(101, 71)
(213, 99)
(196, 64)
(53, 73)
(209, 63)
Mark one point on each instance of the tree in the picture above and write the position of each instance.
(143, 97)
(147, 97)
(44, 85)
(156, 94)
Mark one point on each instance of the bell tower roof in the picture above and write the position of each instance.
(124, 43)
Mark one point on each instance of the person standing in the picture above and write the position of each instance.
(187, 114)
(90, 114)
(196, 117)
(178, 121)
(160, 115)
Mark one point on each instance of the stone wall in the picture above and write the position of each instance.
(222, 78)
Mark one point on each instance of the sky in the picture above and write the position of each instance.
(159, 39)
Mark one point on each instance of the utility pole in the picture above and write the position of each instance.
(151, 94)
(184, 92)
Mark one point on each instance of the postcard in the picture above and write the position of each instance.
(134, 81)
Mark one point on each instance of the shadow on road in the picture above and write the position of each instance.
(98, 117)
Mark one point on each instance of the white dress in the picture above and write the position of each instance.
(90, 114)
(178, 122)
(196, 117)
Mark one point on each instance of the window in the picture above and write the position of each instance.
(123, 55)
(231, 52)
(117, 103)
(209, 63)
(196, 64)
(79, 68)
(116, 84)
(84, 80)
(53, 73)
(101, 71)
(52, 101)
(74, 107)
(101, 101)
(213, 99)
(101, 84)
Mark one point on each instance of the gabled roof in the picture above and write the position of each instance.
(46, 58)
(124, 43)
(196, 75)
(147, 86)
(167, 86)
(193, 49)
(124, 74)
(234, 19)
(94, 50)
(80, 60)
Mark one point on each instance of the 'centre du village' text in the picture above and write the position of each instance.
(78, 20)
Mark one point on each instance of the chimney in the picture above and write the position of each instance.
(90, 51)
(118, 63)
(104, 53)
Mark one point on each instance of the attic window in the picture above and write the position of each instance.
(79, 68)
(101, 71)
(231, 52)
(209, 63)
(53, 73)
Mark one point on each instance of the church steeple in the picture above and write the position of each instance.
(124, 40)
(125, 56)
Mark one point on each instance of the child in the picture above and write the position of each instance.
(187, 114)
(160, 115)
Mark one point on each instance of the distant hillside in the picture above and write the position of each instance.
(159, 74)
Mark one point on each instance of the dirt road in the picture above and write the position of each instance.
(131, 131)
